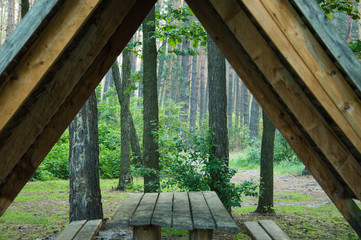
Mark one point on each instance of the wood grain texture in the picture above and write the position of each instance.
(220, 214)
(273, 230)
(256, 231)
(162, 215)
(71, 230)
(25, 32)
(181, 212)
(125, 211)
(202, 217)
(201, 234)
(89, 230)
(275, 109)
(79, 94)
(292, 95)
(148, 232)
(144, 212)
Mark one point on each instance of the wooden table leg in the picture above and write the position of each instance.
(201, 234)
(148, 232)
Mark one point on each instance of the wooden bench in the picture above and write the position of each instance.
(81, 230)
(265, 230)
(198, 212)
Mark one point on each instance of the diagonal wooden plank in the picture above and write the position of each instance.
(69, 108)
(181, 212)
(125, 211)
(220, 214)
(202, 217)
(144, 212)
(162, 215)
(71, 230)
(275, 109)
(256, 231)
(89, 230)
(273, 230)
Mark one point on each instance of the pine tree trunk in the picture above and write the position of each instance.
(202, 91)
(254, 126)
(218, 118)
(245, 106)
(150, 105)
(84, 196)
(265, 200)
(237, 100)
(194, 94)
(230, 97)
(125, 177)
(185, 83)
(11, 23)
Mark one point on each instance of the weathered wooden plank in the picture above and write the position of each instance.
(69, 108)
(202, 217)
(275, 109)
(71, 230)
(181, 212)
(310, 62)
(256, 231)
(89, 230)
(162, 215)
(143, 213)
(220, 214)
(201, 234)
(24, 33)
(273, 230)
(148, 232)
(125, 211)
(292, 95)
(23, 81)
(330, 38)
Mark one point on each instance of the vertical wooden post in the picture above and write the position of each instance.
(201, 234)
(148, 232)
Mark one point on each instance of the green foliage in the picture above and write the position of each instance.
(346, 6)
(283, 151)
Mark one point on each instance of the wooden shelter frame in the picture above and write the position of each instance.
(285, 51)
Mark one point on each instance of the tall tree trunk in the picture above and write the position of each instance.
(125, 177)
(11, 18)
(230, 97)
(185, 82)
(218, 118)
(194, 93)
(348, 33)
(150, 105)
(237, 100)
(254, 126)
(134, 140)
(84, 195)
(265, 200)
(245, 106)
(202, 90)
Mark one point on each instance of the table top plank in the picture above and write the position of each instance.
(202, 217)
(125, 211)
(181, 212)
(89, 230)
(143, 213)
(162, 215)
(220, 214)
(71, 230)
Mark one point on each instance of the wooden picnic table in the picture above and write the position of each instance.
(198, 212)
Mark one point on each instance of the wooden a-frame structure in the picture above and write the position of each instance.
(293, 62)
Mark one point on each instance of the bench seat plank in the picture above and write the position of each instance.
(89, 230)
(202, 218)
(273, 230)
(256, 231)
(181, 212)
(220, 215)
(71, 230)
(125, 211)
(143, 213)
(162, 215)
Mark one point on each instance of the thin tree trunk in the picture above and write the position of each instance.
(265, 200)
(230, 97)
(348, 33)
(237, 97)
(202, 91)
(84, 196)
(185, 83)
(194, 94)
(245, 106)
(218, 119)
(150, 105)
(11, 24)
(125, 177)
(254, 126)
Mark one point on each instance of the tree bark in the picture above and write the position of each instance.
(194, 94)
(202, 91)
(84, 195)
(125, 177)
(218, 118)
(254, 126)
(150, 105)
(185, 83)
(230, 97)
(265, 200)
(237, 101)
(245, 107)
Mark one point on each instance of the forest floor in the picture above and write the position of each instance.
(302, 210)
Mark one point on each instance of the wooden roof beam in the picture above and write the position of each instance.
(115, 24)
(226, 38)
